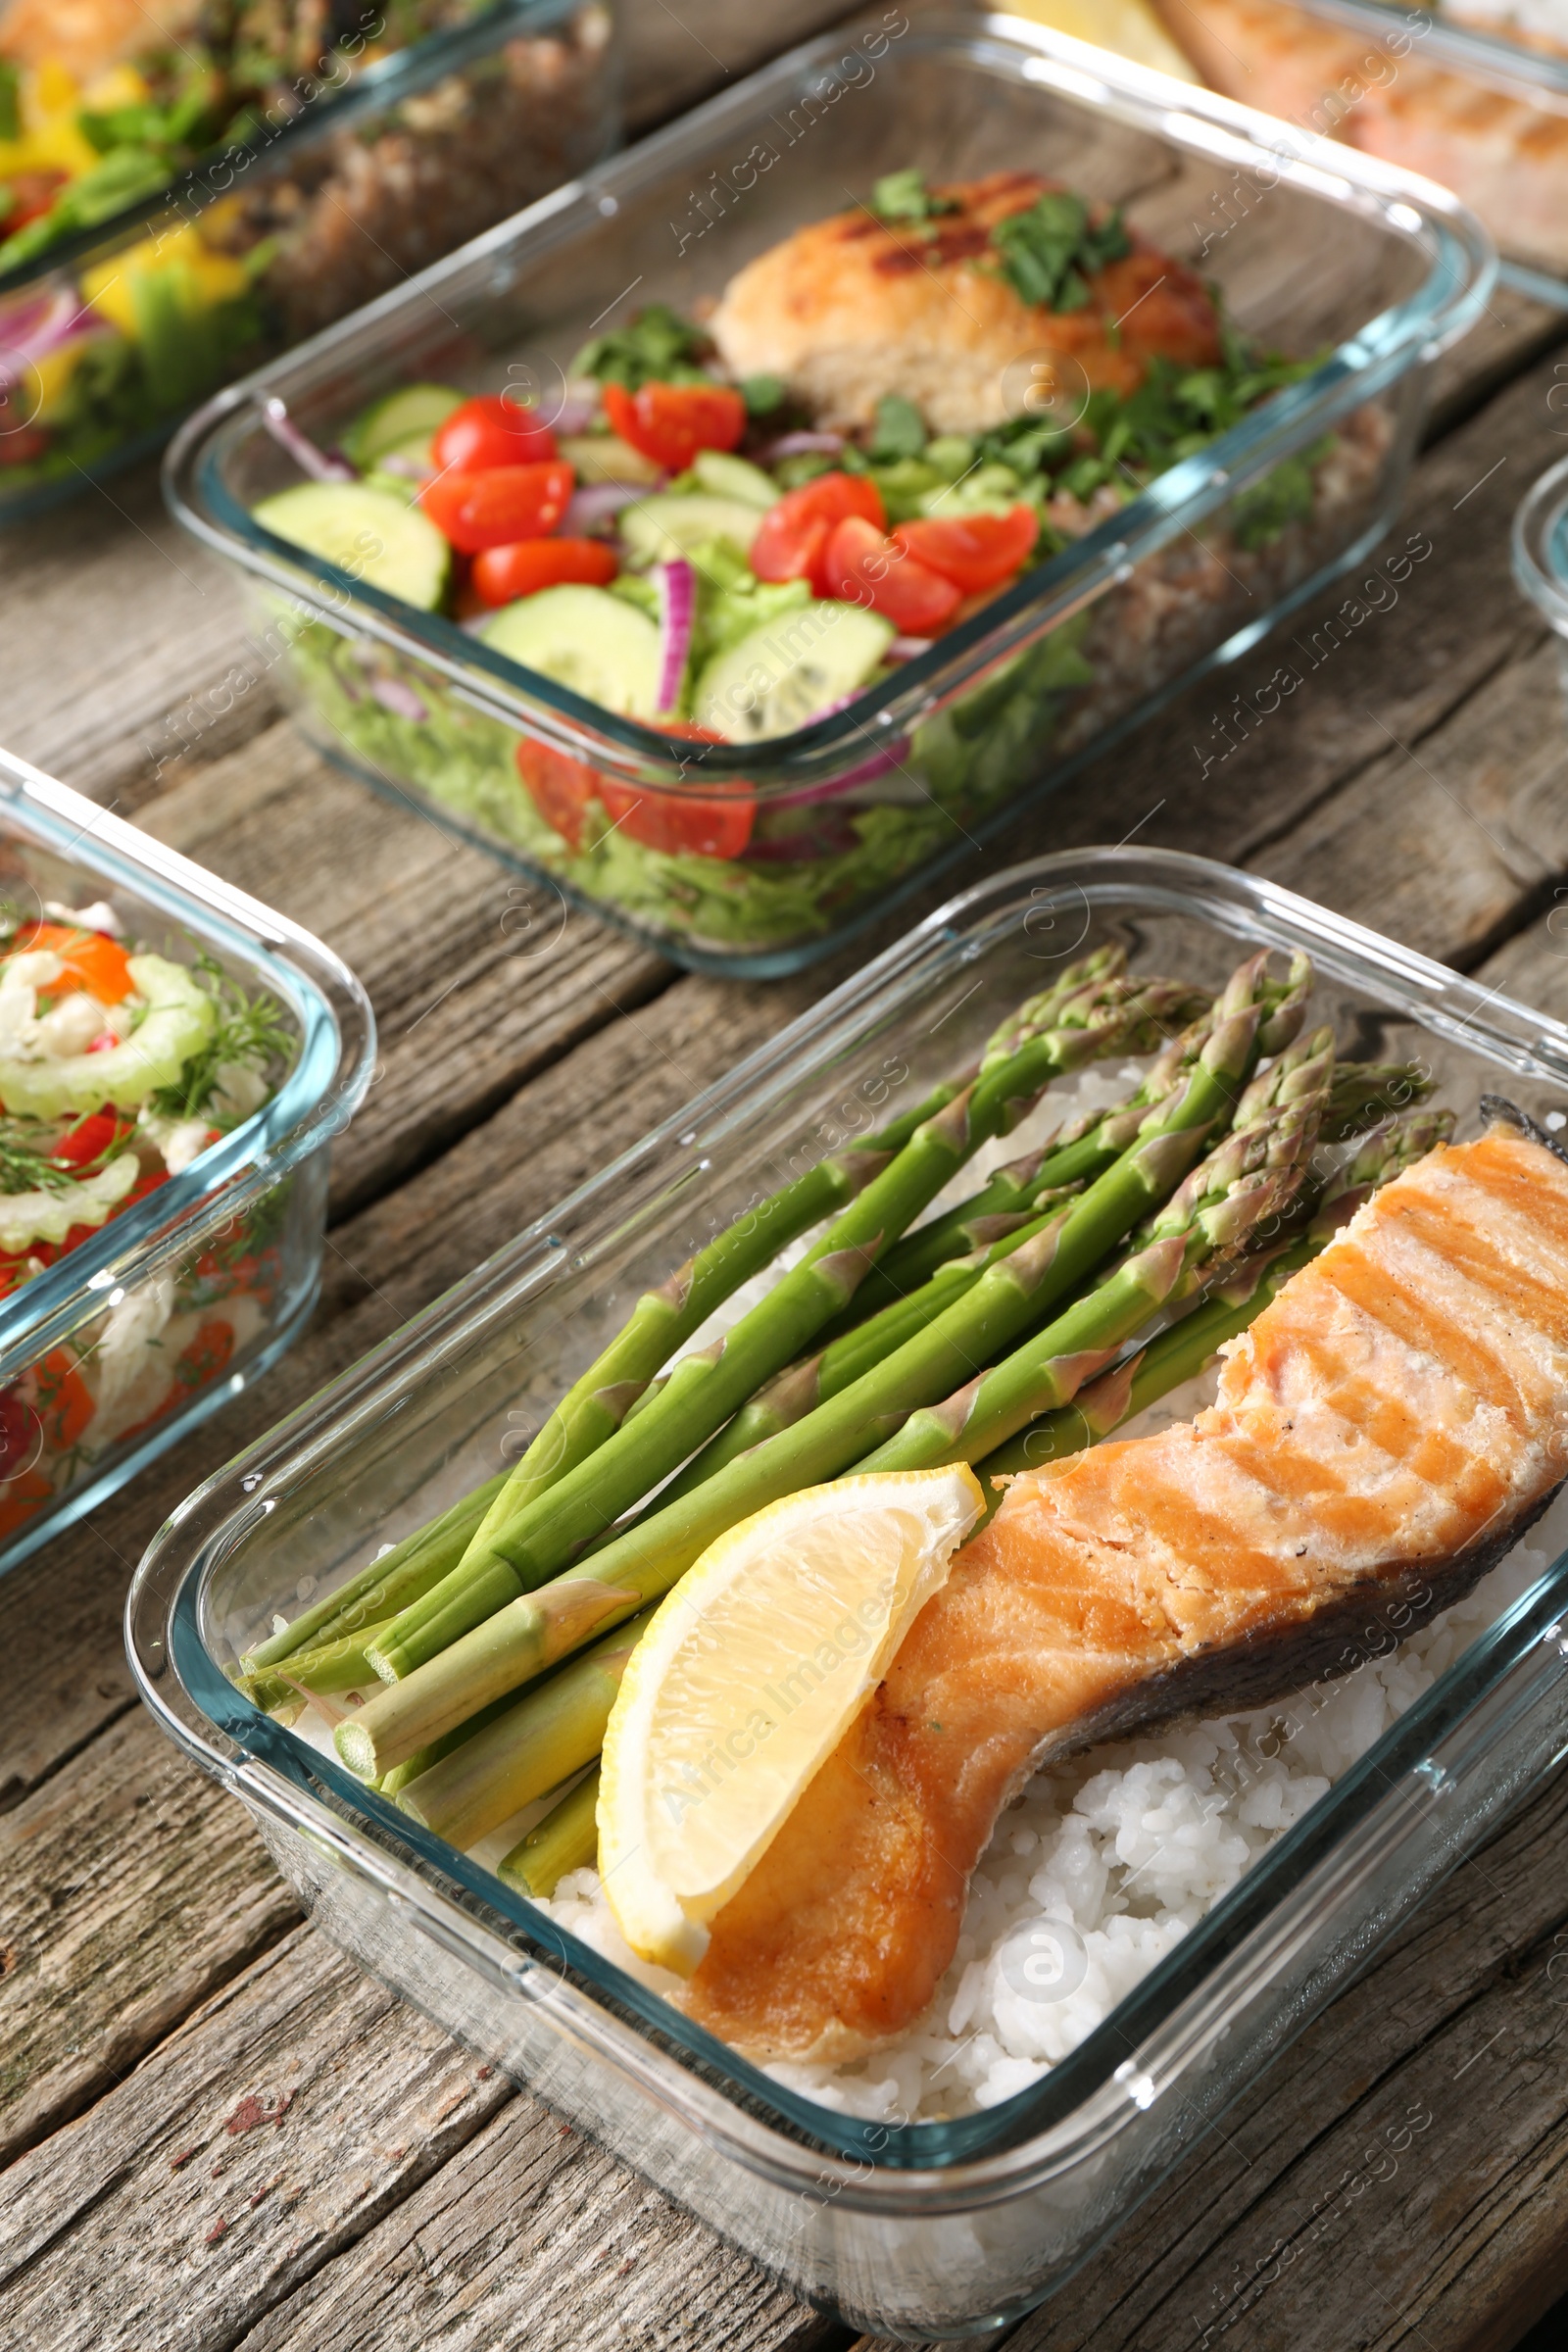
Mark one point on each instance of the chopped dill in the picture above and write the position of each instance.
(249, 1033)
(27, 1161)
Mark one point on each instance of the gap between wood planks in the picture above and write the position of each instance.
(1445, 814)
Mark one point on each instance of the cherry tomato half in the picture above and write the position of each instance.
(94, 962)
(714, 822)
(491, 431)
(504, 573)
(792, 544)
(504, 503)
(974, 551)
(671, 422)
(90, 1139)
(866, 569)
(559, 786)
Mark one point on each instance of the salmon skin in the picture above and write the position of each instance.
(1383, 1433)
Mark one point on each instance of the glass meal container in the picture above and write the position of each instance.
(930, 2228)
(756, 860)
(114, 1344)
(344, 185)
(1473, 95)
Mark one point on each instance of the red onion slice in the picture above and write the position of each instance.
(596, 501)
(34, 328)
(301, 448)
(677, 612)
(396, 696)
(802, 445)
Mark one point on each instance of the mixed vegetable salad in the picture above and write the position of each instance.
(85, 129)
(698, 555)
(118, 1068)
(102, 108)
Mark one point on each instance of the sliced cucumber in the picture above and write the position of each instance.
(177, 1023)
(735, 478)
(790, 670)
(597, 644)
(416, 410)
(28, 1217)
(367, 534)
(672, 522)
(606, 458)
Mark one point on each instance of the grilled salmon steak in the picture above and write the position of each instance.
(1381, 1435)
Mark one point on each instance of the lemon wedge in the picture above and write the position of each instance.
(744, 1681)
(1129, 27)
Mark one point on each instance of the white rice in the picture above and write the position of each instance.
(1122, 1850)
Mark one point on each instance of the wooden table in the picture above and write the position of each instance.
(221, 2135)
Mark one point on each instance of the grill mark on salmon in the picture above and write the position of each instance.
(1383, 1433)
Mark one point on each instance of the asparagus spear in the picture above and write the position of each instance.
(400, 1576)
(520, 1640)
(1076, 1153)
(1228, 1308)
(800, 1388)
(1239, 1188)
(506, 1766)
(568, 1838)
(512, 1556)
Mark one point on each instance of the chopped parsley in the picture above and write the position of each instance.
(1050, 251)
(904, 196)
(1128, 438)
(249, 1034)
(898, 431)
(659, 346)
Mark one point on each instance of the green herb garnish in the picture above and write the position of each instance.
(27, 1161)
(904, 196)
(249, 1033)
(898, 431)
(10, 101)
(1050, 253)
(660, 347)
(763, 394)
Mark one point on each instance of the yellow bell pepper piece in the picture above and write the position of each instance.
(210, 277)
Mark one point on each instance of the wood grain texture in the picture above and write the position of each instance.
(133, 1888)
(300, 2111)
(478, 980)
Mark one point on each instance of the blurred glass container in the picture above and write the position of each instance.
(822, 828)
(211, 1275)
(107, 340)
(917, 2230)
(1540, 550)
(1475, 99)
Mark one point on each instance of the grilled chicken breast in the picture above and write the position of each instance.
(851, 309)
(1381, 1435)
(1506, 159)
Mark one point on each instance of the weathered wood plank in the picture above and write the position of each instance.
(134, 1888)
(531, 2235)
(291, 2115)
(478, 980)
(1441, 843)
